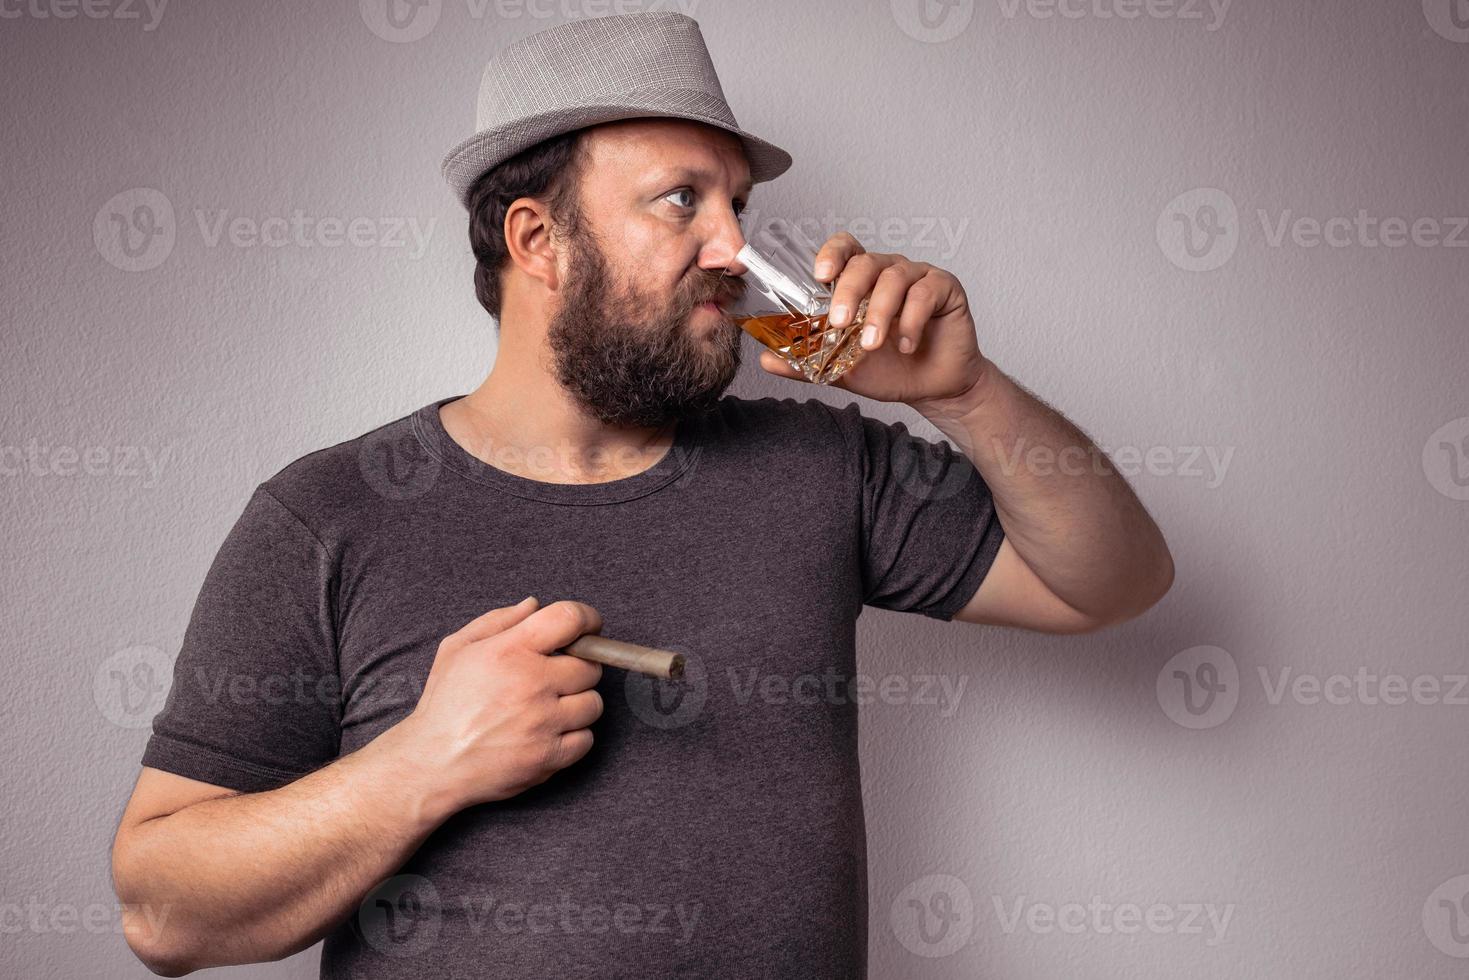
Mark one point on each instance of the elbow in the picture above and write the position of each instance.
(1163, 580)
(164, 948)
(162, 955)
(1145, 599)
(1148, 597)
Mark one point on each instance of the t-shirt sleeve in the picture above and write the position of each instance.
(255, 700)
(929, 530)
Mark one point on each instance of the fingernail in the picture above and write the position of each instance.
(906, 345)
(869, 335)
(529, 598)
(823, 269)
(839, 315)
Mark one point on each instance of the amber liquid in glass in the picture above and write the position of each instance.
(819, 352)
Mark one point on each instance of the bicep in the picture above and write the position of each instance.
(1013, 595)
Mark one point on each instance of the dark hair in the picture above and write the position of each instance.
(549, 171)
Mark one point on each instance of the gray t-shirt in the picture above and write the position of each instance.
(716, 827)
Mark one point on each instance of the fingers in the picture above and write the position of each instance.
(491, 623)
(883, 280)
(833, 255)
(572, 746)
(775, 364)
(571, 675)
(921, 305)
(552, 627)
(890, 294)
(857, 278)
(579, 710)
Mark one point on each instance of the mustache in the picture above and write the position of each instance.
(710, 286)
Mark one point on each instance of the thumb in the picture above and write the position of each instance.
(777, 365)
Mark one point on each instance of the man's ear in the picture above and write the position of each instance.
(529, 241)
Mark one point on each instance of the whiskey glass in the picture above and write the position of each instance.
(785, 307)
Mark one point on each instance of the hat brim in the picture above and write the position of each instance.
(464, 164)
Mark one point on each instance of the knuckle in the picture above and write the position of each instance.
(570, 613)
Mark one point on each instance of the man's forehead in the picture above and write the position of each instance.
(656, 149)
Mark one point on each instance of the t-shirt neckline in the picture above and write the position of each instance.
(429, 428)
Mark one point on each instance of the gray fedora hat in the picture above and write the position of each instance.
(596, 70)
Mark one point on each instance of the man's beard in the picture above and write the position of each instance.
(631, 361)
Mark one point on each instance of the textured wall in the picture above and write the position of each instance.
(1126, 189)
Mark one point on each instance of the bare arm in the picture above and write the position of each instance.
(210, 877)
(1080, 551)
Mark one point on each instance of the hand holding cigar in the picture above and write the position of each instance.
(504, 710)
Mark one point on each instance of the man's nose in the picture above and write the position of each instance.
(721, 248)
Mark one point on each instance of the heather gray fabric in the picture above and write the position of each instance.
(716, 828)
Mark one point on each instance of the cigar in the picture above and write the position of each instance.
(628, 656)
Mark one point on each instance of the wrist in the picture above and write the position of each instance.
(416, 772)
(972, 399)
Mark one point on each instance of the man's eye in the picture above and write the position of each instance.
(682, 190)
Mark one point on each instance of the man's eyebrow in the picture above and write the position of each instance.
(702, 175)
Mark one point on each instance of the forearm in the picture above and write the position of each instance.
(255, 877)
(1065, 509)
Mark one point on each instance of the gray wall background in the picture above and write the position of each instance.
(1126, 191)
